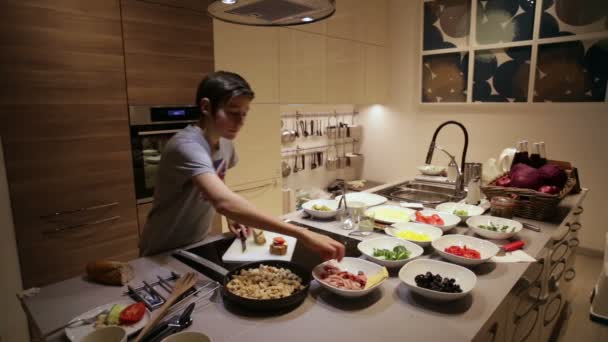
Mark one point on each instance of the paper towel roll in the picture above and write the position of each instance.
(289, 200)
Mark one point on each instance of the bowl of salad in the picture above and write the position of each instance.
(321, 208)
(462, 210)
(493, 227)
(389, 251)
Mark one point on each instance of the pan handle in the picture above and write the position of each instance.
(202, 261)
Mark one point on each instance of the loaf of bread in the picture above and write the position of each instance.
(109, 272)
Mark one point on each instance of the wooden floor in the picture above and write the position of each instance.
(579, 327)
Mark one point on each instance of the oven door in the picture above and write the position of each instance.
(147, 144)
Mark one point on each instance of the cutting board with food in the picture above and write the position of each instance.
(261, 245)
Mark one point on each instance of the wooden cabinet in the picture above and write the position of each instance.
(302, 67)
(168, 50)
(376, 75)
(360, 20)
(345, 71)
(255, 56)
(64, 118)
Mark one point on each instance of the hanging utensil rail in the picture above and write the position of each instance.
(298, 149)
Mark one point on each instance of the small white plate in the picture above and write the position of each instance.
(451, 207)
(391, 213)
(449, 221)
(352, 265)
(463, 276)
(367, 248)
(475, 221)
(76, 333)
(485, 248)
(331, 204)
(420, 228)
(368, 198)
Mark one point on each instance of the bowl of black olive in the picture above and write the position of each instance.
(437, 280)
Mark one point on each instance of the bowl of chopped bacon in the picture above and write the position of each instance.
(351, 277)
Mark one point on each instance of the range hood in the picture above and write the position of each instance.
(271, 12)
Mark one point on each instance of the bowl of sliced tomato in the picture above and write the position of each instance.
(436, 218)
(464, 250)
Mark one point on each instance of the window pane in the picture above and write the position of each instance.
(503, 21)
(446, 24)
(572, 72)
(566, 17)
(502, 75)
(444, 77)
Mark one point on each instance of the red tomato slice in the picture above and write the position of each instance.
(278, 240)
(132, 313)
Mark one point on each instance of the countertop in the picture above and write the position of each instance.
(391, 311)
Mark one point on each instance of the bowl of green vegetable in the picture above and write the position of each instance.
(321, 208)
(493, 227)
(462, 210)
(389, 251)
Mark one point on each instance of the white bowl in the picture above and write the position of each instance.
(450, 221)
(450, 207)
(187, 336)
(332, 204)
(367, 248)
(352, 265)
(431, 170)
(463, 276)
(476, 221)
(390, 213)
(432, 231)
(485, 248)
(106, 334)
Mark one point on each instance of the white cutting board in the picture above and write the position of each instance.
(256, 252)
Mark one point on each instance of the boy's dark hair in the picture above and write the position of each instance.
(220, 86)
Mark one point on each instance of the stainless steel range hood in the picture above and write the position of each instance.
(271, 12)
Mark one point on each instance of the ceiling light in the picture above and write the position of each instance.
(229, 2)
(307, 19)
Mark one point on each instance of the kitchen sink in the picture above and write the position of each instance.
(421, 192)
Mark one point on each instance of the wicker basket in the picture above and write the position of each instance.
(530, 203)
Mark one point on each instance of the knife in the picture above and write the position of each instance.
(243, 239)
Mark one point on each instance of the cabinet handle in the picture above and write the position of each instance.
(81, 225)
(493, 331)
(570, 274)
(575, 226)
(73, 211)
(547, 321)
(579, 211)
(574, 242)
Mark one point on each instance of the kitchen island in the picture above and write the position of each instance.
(508, 300)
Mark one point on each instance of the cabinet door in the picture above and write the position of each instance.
(65, 127)
(255, 56)
(302, 67)
(345, 71)
(376, 75)
(495, 328)
(258, 147)
(168, 50)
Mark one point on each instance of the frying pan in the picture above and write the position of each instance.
(223, 276)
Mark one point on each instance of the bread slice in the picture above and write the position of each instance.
(110, 272)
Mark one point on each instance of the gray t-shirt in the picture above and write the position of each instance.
(180, 215)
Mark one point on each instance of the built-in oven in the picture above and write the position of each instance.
(151, 128)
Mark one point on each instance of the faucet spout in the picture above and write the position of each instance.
(429, 155)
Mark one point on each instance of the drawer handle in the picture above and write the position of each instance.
(570, 274)
(94, 207)
(82, 225)
(579, 211)
(575, 226)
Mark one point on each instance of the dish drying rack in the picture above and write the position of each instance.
(154, 294)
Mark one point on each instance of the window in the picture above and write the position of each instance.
(514, 51)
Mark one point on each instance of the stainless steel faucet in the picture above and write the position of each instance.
(432, 147)
(460, 176)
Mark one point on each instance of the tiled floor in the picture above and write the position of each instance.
(579, 327)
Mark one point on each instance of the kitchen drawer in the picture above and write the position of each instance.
(494, 329)
(525, 328)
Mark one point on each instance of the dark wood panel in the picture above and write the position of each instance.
(65, 124)
(167, 51)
